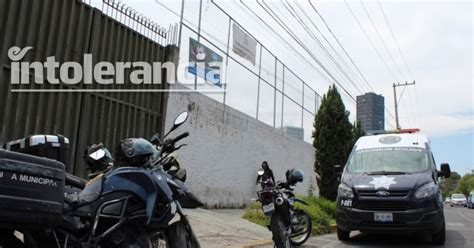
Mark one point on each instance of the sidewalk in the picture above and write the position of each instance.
(226, 228)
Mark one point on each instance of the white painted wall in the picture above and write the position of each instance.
(227, 147)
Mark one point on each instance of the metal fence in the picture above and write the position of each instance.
(267, 90)
(67, 29)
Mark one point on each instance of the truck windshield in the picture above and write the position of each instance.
(395, 160)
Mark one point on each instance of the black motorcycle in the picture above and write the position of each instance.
(289, 225)
(137, 204)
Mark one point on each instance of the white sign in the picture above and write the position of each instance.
(243, 44)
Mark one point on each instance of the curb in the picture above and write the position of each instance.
(257, 243)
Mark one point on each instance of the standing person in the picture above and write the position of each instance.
(267, 173)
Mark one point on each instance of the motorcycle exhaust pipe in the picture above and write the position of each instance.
(279, 200)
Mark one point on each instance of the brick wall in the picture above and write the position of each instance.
(227, 147)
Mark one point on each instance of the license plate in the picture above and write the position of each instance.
(383, 217)
(268, 208)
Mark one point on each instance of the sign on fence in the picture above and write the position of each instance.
(243, 44)
(207, 63)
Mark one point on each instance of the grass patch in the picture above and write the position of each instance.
(254, 213)
(321, 211)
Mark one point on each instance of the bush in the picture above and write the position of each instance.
(321, 211)
(254, 213)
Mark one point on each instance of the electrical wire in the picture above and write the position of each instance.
(395, 39)
(295, 16)
(337, 41)
(286, 29)
(370, 41)
(281, 38)
(381, 39)
(388, 112)
(332, 48)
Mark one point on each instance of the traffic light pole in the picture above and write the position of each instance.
(395, 85)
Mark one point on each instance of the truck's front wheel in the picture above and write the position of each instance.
(343, 235)
(440, 237)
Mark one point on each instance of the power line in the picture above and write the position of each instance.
(332, 48)
(389, 113)
(339, 43)
(294, 14)
(281, 38)
(370, 40)
(382, 40)
(396, 42)
(283, 25)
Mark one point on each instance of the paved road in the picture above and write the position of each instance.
(459, 225)
(225, 228)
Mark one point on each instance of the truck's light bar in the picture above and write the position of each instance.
(405, 130)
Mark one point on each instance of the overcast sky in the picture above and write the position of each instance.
(436, 38)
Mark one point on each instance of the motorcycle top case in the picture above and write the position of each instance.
(49, 146)
(31, 191)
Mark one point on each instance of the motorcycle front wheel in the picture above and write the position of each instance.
(178, 236)
(280, 232)
(301, 227)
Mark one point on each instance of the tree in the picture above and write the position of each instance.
(332, 137)
(466, 184)
(357, 132)
(448, 185)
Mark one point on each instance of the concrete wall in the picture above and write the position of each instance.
(227, 147)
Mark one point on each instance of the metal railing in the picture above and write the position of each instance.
(268, 90)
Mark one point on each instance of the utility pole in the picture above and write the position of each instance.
(395, 85)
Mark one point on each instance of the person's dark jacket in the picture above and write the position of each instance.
(267, 174)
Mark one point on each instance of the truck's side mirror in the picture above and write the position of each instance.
(445, 170)
(337, 170)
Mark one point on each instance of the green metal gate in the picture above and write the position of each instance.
(67, 29)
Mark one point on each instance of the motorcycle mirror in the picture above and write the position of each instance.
(181, 119)
(97, 155)
(260, 172)
(178, 122)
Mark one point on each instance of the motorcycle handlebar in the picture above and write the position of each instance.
(75, 181)
(180, 137)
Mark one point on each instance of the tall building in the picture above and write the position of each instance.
(295, 132)
(370, 112)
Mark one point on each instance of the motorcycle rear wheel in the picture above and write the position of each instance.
(280, 232)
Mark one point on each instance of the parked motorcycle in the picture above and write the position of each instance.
(289, 225)
(137, 204)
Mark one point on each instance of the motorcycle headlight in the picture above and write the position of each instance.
(345, 191)
(426, 191)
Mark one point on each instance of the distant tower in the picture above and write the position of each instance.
(370, 112)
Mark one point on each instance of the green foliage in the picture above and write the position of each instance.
(254, 213)
(332, 141)
(466, 184)
(357, 132)
(311, 187)
(321, 211)
(320, 219)
(448, 185)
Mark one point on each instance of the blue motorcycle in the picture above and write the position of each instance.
(138, 204)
